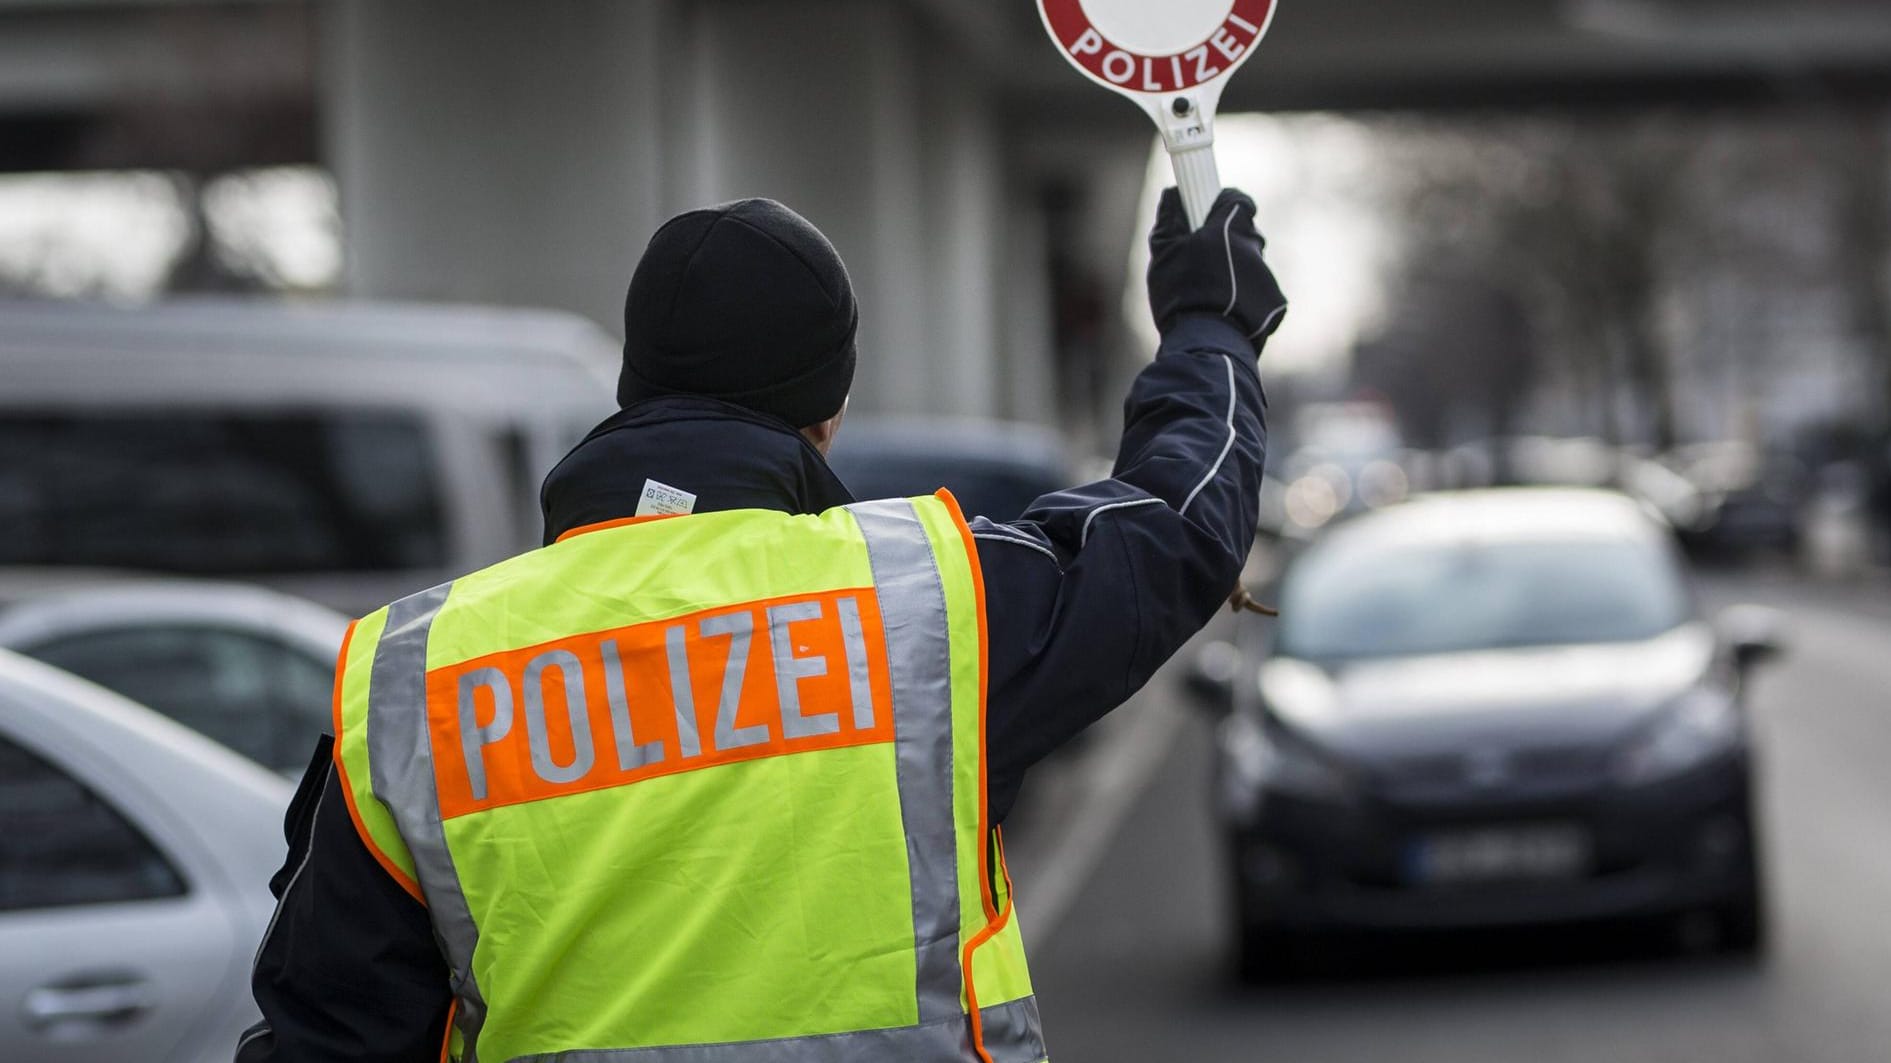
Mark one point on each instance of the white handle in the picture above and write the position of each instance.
(1200, 181)
(105, 1003)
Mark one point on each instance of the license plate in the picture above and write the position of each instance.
(1499, 854)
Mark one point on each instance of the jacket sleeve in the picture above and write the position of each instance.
(348, 969)
(1096, 587)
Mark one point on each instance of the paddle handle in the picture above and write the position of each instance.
(1199, 179)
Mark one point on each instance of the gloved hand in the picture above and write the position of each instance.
(1218, 269)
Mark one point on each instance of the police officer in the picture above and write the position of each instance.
(716, 775)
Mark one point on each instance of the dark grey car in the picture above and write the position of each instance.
(1490, 709)
(994, 469)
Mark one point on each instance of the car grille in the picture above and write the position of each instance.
(1542, 769)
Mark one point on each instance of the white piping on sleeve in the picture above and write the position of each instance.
(1084, 539)
(1234, 283)
(315, 818)
(1268, 324)
(1225, 447)
(256, 1034)
(1019, 540)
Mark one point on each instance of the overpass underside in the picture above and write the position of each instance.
(88, 84)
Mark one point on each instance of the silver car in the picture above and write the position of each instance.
(346, 452)
(249, 667)
(135, 856)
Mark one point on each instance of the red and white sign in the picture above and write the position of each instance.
(1157, 47)
(1172, 58)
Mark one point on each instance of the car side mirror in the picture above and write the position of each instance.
(1752, 634)
(1211, 678)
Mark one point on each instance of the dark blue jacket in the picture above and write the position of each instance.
(1088, 594)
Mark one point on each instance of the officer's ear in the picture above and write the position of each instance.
(822, 433)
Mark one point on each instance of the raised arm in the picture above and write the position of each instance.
(1096, 587)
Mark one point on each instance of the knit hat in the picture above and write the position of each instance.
(748, 303)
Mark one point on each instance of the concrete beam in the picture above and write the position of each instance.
(80, 80)
(1376, 55)
(101, 58)
(178, 87)
(472, 169)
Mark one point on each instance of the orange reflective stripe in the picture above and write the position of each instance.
(621, 522)
(446, 1039)
(405, 880)
(498, 742)
(996, 919)
(984, 675)
(971, 993)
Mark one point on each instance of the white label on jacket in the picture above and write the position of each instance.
(662, 500)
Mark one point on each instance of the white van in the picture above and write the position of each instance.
(349, 453)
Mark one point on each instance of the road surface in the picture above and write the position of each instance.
(1117, 861)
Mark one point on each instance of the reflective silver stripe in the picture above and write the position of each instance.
(1011, 1036)
(1013, 1032)
(919, 654)
(400, 759)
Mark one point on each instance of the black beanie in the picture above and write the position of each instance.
(748, 303)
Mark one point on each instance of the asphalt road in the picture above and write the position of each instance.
(1118, 860)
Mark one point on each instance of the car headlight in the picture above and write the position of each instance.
(1256, 760)
(1694, 730)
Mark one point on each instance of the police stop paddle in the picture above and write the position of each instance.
(1173, 58)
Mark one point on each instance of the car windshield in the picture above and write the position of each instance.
(1350, 600)
(219, 492)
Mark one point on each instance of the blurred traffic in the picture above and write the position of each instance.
(1728, 501)
(1484, 706)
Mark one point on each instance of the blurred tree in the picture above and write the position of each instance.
(246, 101)
(1458, 358)
(1573, 216)
(1865, 242)
(1667, 263)
(202, 265)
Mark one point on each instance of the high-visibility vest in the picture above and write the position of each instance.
(705, 789)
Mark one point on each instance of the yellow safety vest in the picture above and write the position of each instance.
(707, 789)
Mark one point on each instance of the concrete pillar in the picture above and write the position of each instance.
(818, 106)
(1027, 331)
(1089, 186)
(492, 151)
(964, 195)
(495, 151)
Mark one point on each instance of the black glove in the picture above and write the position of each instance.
(1216, 270)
